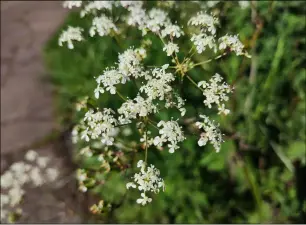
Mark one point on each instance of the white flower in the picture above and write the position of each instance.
(42, 161)
(4, 199)
(81, 175)
(15, 195)
(244, 4)
(141, 52)
(52, 174)
(86, 151)
(137, 107)
(130, 63)
(144, 200)
(157, 18)
(100, 125)
(202, 41)
(232, 42)
(137, 16)
(129, 4)
(31, 155)
(69, 35)
(223, 110)
(103, 26)
(170, 48)
(172, 31)
(18, 167)
(215, 91)
(81, 104)
(180, 104)
(95, 6)
(75, 135)
(7, 179)
(140, 163)
(85, 135)
(82, 188)
(211, 133)
(130, 185)
(158, 85)
(36, 176)
(147, 180)
(71, 4)
(170, 132)
(207, 22)
(203, 140)
(19, 174)
(145, 138)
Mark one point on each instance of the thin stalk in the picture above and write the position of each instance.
(207, 61)
(146, 153)
(150, 122)
(190, 50)
(118, 42)
(121, 96)
(194, 83)
(254, 187)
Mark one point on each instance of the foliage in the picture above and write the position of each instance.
(257, 176)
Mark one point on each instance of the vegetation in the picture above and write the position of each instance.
(259, 174)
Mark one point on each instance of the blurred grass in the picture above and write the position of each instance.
(259, 175)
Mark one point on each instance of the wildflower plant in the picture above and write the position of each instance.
(34, 170)
(157, 89)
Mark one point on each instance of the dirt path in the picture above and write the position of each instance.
(26, 104)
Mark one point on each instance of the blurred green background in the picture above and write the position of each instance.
(260, 173)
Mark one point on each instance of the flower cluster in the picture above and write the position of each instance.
(97, 208)
(100, 124)
(69, 35)
(81, 177)
(129, 65)
(158, 85)
(103, 26)
(94, 6)
(137, 107)
(71, 4)
(172, 30)
(157, 88)
(202, 41)
(170, 132)
(155, 20)
(170, 48)
(206, 22)
(232, 42)
(211, 133)
(147, 180)
(215, 91)
(34, 171)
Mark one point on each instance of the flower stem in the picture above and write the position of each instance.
(146, 153)
(121, 96)
(118, 42)
(150, 122)
(207, 61)
(194, 83)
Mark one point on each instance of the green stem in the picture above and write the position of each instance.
(146, 153)
(207, 61)
(153, 123)
(194, 83)
(118, 42)
(254, 188)
(121, 96)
